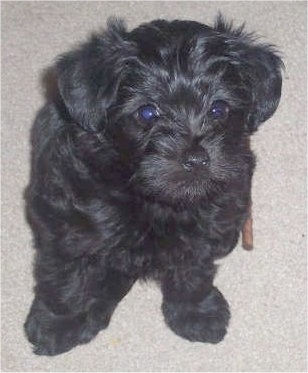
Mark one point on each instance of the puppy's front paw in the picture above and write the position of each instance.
(53, 334)
(205, 321)
(50, 334)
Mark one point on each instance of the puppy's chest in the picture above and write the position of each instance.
(197, 237)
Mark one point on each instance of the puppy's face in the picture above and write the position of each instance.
(178, 105)
(183, 131)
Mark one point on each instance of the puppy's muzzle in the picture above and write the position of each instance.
(196, 157)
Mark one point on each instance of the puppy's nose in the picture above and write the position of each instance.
(195, 157)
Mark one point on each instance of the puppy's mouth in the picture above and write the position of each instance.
(175, 182)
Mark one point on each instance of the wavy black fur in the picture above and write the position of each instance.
(113, 198)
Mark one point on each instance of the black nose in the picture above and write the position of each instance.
(195, 157)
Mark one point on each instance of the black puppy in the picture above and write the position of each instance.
(141, 170)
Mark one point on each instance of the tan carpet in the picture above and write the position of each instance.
(266, 288)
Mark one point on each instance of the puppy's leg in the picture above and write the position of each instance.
(62, 317)
(192, 307)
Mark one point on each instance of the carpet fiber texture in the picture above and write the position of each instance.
(266, 288)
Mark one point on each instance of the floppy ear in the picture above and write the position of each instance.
(262, 72)
(259, 66)
(88, 77)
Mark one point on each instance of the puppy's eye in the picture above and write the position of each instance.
(148, 113)
(219, 110)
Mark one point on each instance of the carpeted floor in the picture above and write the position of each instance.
(266, 288)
